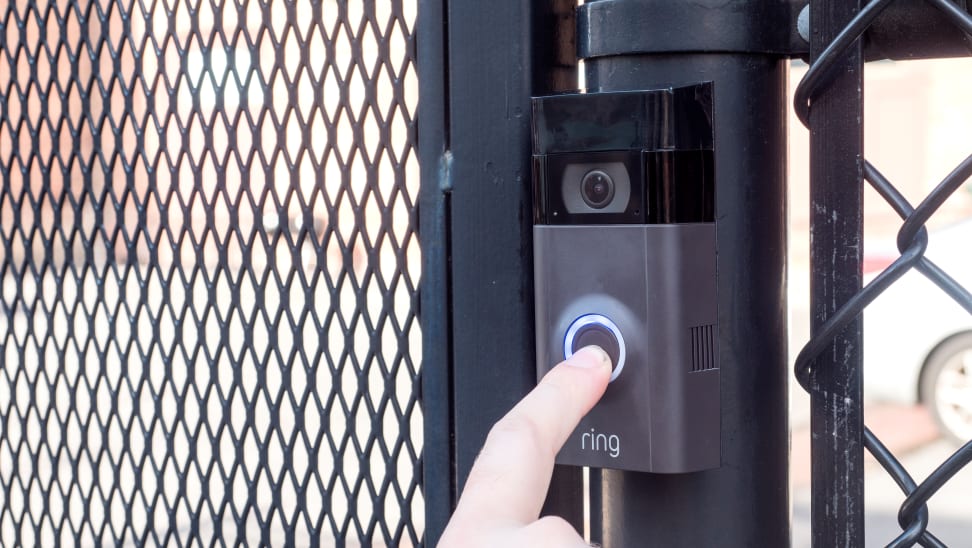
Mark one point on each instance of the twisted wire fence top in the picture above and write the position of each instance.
(208, 271)
(912, 243)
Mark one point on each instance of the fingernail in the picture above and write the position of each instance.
(589, 357)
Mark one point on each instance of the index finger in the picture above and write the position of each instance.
(509, 481)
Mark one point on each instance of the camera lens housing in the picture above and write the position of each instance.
(597, 189)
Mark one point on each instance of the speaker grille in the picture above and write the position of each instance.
(703, 348)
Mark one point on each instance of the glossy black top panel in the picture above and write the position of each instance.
(663, 119)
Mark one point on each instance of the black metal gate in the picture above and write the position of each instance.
(209, 263)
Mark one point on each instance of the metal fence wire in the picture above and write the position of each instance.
(209, 262)
(913, 516)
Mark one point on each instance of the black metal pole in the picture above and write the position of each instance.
(438, 474)
(837, 229)
(479, 64)
(745, 502)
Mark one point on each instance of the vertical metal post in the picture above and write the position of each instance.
(435, 306)
(478, 68)
(836, 225)
(492, 298)
(745, 502)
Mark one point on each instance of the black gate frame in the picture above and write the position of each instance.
(478, 70)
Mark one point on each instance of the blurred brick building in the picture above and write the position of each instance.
(193, 127)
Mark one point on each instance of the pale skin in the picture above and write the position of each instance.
(500, 504)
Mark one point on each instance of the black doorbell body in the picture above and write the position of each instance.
(625, 258)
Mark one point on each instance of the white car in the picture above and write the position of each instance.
(918, 341)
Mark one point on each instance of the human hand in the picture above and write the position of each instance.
(508, 482)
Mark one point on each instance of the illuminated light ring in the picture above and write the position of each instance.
(603, 321)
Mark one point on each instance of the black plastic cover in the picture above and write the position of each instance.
(663, 138)
(663, 119)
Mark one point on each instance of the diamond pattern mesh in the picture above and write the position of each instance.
(209, 264)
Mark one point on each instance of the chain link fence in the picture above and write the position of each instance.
(209, 269)
(913, 516)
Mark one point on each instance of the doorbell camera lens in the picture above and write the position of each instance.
(597, 189)
(595, 329)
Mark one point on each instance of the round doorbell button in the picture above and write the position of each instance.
(596, 329)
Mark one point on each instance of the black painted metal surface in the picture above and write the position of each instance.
(612, 27)
(209, 262)
(908, 29)
(837, 234)
(745, 501)
(476, 184)
(439, 481)
(489, 126)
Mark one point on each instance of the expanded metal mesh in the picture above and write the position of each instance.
(209, 267)
(912, 243)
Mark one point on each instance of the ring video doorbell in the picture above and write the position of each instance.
(625, 258)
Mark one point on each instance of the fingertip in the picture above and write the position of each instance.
(585, 376)
(590, 357)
